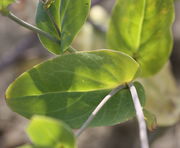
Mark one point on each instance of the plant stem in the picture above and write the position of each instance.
(140, 117)
(31, 27)
(36, 30)
(71, 49)
(98, 108)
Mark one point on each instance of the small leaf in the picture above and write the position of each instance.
(70, 86)
(51, 133)
(63, 19)
(150, 119)
(4, 4)
(142, 29)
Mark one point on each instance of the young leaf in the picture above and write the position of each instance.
(150, 119)
(50, 133)
(142, 29)
(63, 19)
(4, 4)
(70, 86)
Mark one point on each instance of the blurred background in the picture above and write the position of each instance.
(20, 49)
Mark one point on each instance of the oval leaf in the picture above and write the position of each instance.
(51, 133)
(70, 86)
(142, 29)
(63, 19)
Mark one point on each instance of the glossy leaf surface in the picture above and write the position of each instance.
(63, 19)
(142, 29)
(70, 86)
(50, 133)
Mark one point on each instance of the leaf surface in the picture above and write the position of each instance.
(48, 132)
(151, 120)
(63, 20)
(70, 86)
(142, 29)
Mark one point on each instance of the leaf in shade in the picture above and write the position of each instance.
(63, 20)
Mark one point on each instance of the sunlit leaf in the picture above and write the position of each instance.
(50, 133)
(70, 86)
(142, 29)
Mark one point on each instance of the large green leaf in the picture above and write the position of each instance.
(70, 86)
(142, 29)
(68, 15)
(48, 132)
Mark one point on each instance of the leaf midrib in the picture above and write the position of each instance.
(141, 27)
(62, 16)
(79, 91)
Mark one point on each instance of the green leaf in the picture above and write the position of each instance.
(4, 4)
(142, 29)
(70, 86)
(68, 15)
(150, 119)
(50, 133)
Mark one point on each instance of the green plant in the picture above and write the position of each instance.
(70, 86)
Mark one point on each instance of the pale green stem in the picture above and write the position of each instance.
(31, 27)
(98, 108)
(36, 30)
(140, 117)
